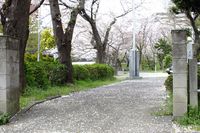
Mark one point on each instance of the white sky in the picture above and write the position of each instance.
(148, 7)
(107, 7)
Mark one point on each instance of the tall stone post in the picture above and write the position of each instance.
(9, 75)
(134, 64)
(193, 81)
(180, 96)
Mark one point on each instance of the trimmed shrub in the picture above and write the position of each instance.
(100, 71)
(169, 83)
(36, 75)
(57, 74)
(42, 74)
(80, 72)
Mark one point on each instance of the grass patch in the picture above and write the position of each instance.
(167, 109)
(192, 118)
(34, 94)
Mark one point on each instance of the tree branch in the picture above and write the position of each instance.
(37, 6)
(110, 26)
(64, 4)
(192, 21)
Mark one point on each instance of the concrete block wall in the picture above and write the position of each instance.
(180, 93)
(9, 75)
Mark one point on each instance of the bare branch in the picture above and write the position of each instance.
(95, 14)
(124, 14)
(110, 26)
(64, 4)
(36, 7)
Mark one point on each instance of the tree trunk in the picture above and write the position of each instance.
(64, 40)
(15, 21)
(68, 42)
(101, 54)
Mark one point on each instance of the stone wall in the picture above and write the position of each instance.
(9, 75)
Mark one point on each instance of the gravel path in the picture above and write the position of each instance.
(124, 107)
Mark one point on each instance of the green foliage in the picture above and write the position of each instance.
(80, 72)
(4, 118)
(47, 40)
(191, 118)
(169, 83)
(30, 57)
(163, 48)
(187, 5)
(167, 61)
(36, 75)
(45, 73)
(33, 58)
(100, 71)
(57, 74)
(147, 64)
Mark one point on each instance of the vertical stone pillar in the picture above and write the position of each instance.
(9, 75)
(180, 96)
(193, 81)
(134, 64)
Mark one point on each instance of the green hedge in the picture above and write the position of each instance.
(36, 75)
(44, 73)
(80, 72)
(99, 71)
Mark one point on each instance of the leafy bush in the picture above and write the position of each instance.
(57, 74)
(33, 58)
(167, 61)
(30, 57)
(169, 83)
(36, 75)
(80, 72)
(42, 74)
(100, 71)
(4, 118)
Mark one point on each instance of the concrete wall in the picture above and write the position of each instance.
(9, 75)
(180, 96)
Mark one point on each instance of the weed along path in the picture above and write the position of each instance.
(124, 107)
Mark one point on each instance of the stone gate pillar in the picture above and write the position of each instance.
(9, 75)
(180, 96)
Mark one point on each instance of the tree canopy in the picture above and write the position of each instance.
(47, 40)
(188, 5)
(191, 8)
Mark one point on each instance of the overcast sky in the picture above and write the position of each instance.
(148, 8)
